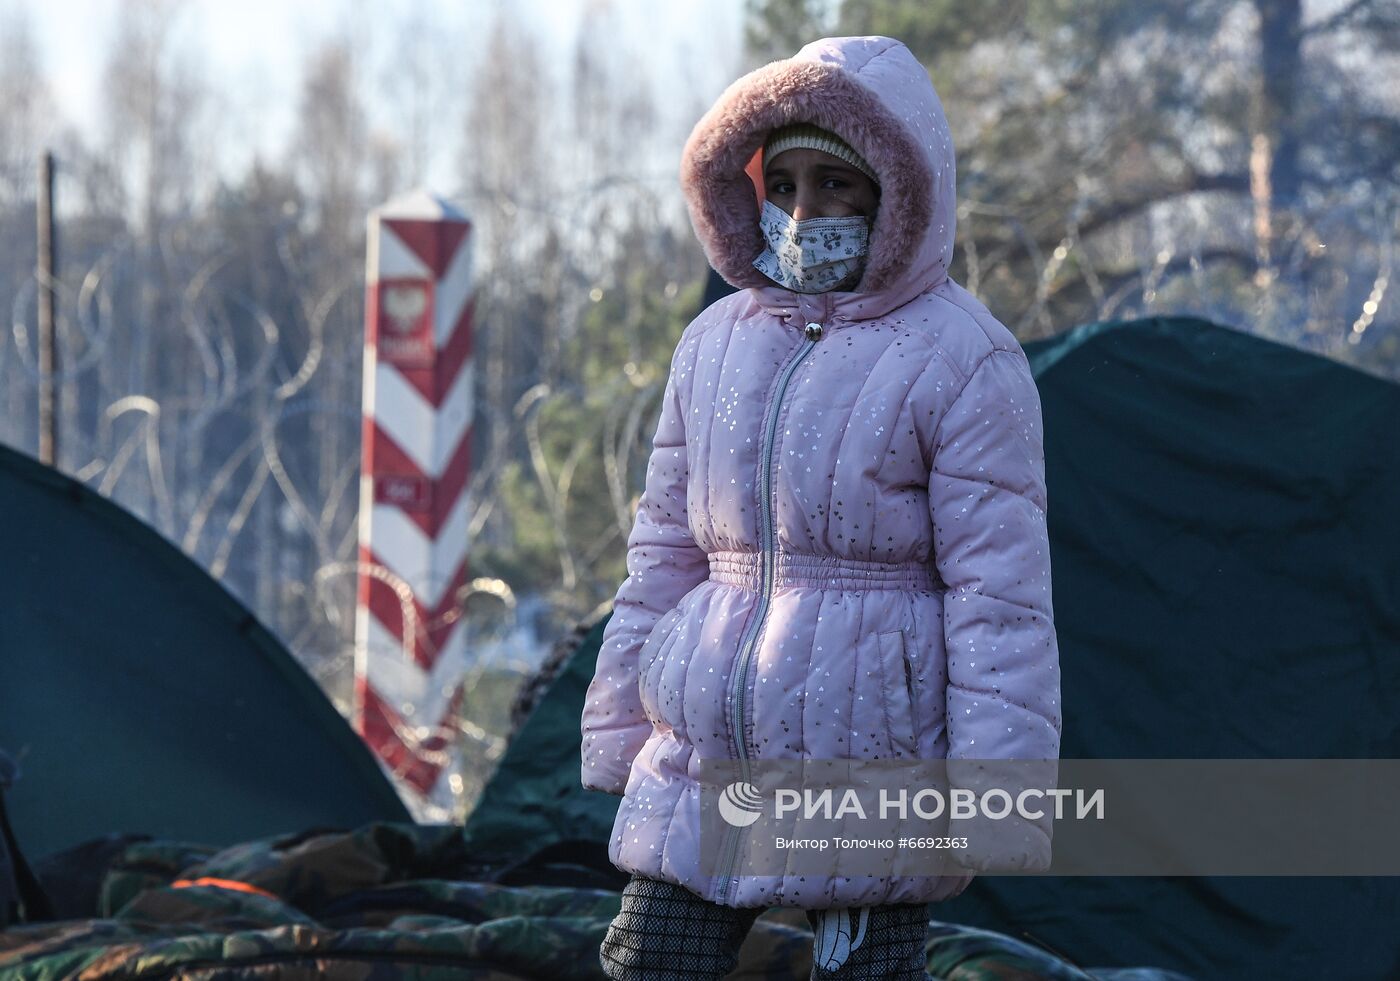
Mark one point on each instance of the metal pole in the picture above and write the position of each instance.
(46, 271)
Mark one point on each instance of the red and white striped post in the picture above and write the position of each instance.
(418, 410)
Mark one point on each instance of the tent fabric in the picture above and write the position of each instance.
(1226, 555)
(534, 798)
(1227, 585)
(395, 901)
(138, 695)
(534, 805)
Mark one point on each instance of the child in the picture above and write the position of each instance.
(841, 549)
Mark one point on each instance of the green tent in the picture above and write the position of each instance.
(137, 695)
(1227, 585)
(1226, 555)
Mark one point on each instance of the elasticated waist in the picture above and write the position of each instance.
(822, 572)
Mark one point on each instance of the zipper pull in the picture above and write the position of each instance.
(814, 331)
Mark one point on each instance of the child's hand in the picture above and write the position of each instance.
(1016, 842)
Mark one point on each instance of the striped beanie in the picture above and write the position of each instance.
(807, 135)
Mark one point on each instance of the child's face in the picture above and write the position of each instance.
(809, 183)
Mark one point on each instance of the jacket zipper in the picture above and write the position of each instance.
(768, 548)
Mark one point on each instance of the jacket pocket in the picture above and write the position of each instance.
(900, 693)
(650, 661)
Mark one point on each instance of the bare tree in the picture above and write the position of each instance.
(330, 151)
(1232, 158)
(510, 183)
(25, 123)
(153, 101)
(422, 74)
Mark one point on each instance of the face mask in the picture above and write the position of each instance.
(813, 255)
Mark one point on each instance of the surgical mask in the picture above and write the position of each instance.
(814, 255)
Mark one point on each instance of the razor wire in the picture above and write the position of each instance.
(251, 464)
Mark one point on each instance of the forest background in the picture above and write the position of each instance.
(1235, 159)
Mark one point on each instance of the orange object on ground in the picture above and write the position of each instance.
(222, 884)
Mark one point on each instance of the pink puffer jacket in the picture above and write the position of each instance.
(838, 480)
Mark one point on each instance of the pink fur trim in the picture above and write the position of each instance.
(723, 201)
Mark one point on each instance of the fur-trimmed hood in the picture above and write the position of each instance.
(874, 94)
(840, 552)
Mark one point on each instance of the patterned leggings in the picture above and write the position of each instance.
(666, 933)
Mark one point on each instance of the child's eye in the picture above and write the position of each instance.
(834, 183)
(781, 187)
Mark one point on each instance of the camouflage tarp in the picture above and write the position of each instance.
(387, 901)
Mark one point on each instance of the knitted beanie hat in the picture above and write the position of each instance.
(807, 135)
